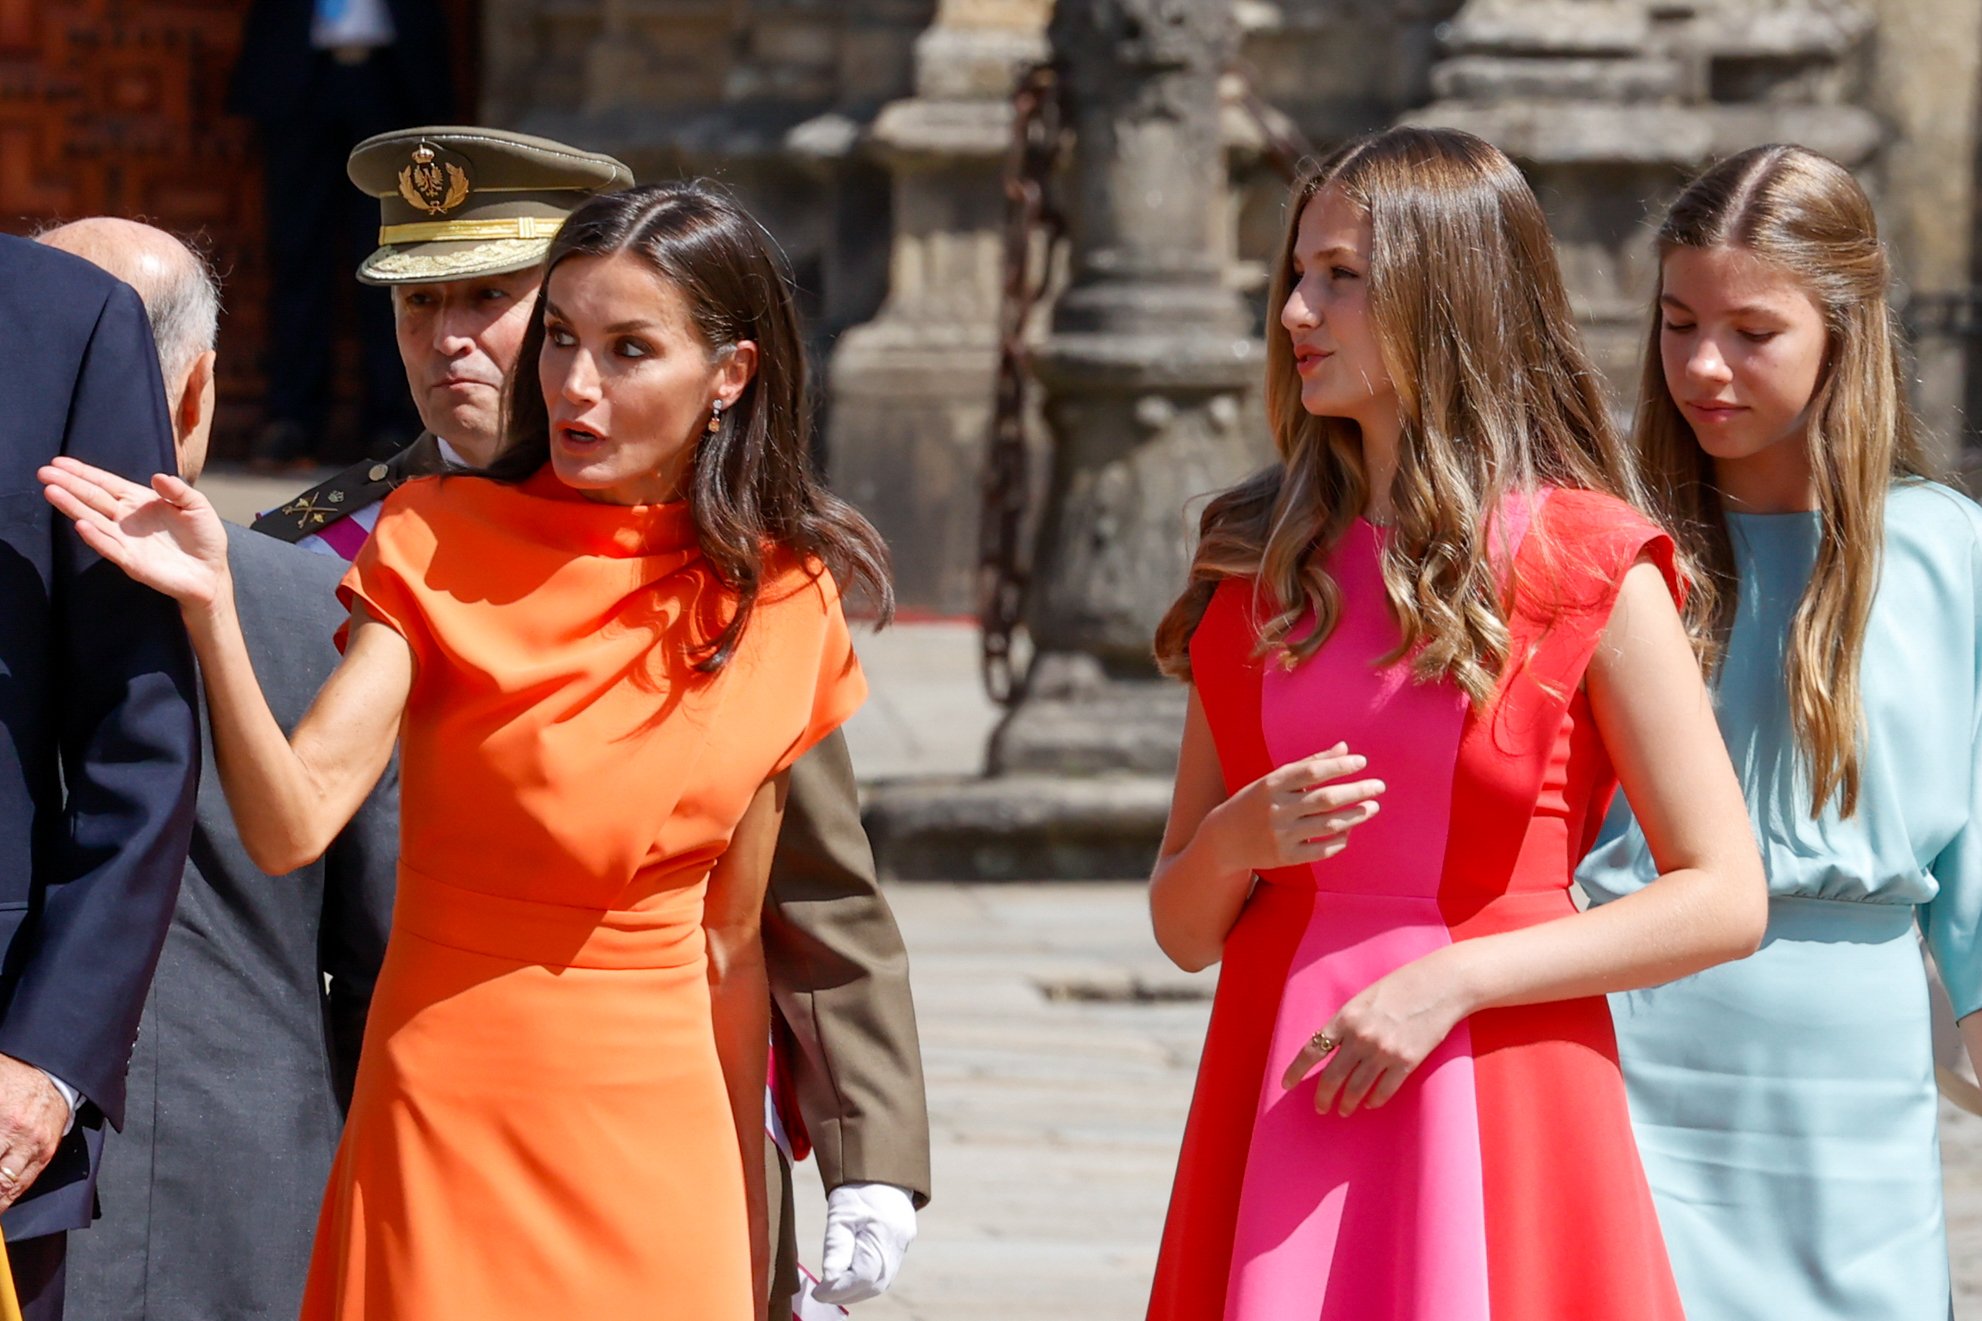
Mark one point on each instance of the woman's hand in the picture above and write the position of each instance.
(1382, 1035)
(1215, 841)
(166, 536)
(1295, 815)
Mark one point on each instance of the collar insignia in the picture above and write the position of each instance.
(308, 512)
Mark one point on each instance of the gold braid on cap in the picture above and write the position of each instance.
(416, 265)
(443, 231)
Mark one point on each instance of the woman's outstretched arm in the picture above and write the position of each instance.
(740, 999)
(1708, 905)
(290, 796)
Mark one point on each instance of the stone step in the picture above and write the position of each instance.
(1018, 827)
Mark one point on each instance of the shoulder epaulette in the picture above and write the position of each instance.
(358, 487)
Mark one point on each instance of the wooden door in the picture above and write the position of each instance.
(116, 107)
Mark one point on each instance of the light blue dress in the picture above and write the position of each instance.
(1785, 1104)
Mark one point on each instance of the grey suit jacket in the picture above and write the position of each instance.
(244, 1060)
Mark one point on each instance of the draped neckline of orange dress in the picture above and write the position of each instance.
(562, 515)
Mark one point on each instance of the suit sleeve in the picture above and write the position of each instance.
(129, 753)
(1953, 920)
(839, 977)
(360, 874)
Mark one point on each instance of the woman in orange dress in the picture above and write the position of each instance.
(599, 658)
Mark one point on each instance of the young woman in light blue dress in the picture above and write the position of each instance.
(1785, 1104)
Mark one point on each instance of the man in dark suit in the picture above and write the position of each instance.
(99, 751)
(316, 76)
(245, 1060)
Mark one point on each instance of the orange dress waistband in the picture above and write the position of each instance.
(555, 935)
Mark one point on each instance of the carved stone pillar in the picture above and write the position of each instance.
(1926, 82)
(1146, 372)
(1149, 372)
(912, 389)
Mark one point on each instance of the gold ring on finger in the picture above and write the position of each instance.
(1323, 1043)
(8, 1177)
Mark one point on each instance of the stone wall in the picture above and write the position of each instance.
(775, 98)
(1925, 82)
(869, 134)
(912, 388)
(1611, 104)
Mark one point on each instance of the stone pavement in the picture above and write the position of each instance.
(240, 494)
(1961, 1163)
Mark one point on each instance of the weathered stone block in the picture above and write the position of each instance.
(974, 65)
(1094, 727)
(1686, 137)
(909, 421)
(1559, 27)
(1018, 827)
(876, 62)
(1492, 77)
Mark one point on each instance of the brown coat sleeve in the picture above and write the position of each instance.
(839, 978)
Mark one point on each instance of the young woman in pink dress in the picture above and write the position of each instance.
(1424, 648)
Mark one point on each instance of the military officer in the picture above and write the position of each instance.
(466, 215)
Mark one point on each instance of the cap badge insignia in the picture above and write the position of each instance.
(435, 187)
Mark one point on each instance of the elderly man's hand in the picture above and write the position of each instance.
(32, 1118)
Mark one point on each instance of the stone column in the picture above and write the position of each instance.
(1149, 372)
(1146, 373)
(912, 389)
(1927, 83)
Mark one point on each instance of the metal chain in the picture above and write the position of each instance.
(1034, 227)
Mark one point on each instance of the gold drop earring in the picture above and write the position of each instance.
(715, 417)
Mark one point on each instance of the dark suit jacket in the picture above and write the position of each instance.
(99, 748)
(210, 1193)
(273, 77)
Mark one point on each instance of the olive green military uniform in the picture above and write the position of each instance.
(461, 203)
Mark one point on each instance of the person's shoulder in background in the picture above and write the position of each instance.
(267, 567)
(54, 311)
(34, 273)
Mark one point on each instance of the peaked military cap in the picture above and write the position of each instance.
(460, 202)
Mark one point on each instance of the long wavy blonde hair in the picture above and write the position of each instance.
(1804, 213)
(1495, 395)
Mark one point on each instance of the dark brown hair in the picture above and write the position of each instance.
(1495, 395)
(1806, 215)
(751, 485)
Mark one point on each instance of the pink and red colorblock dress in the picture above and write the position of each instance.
(1502, 1182)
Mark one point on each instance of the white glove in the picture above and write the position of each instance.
(868, 1228)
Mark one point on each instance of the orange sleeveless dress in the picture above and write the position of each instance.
(540, 1128)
